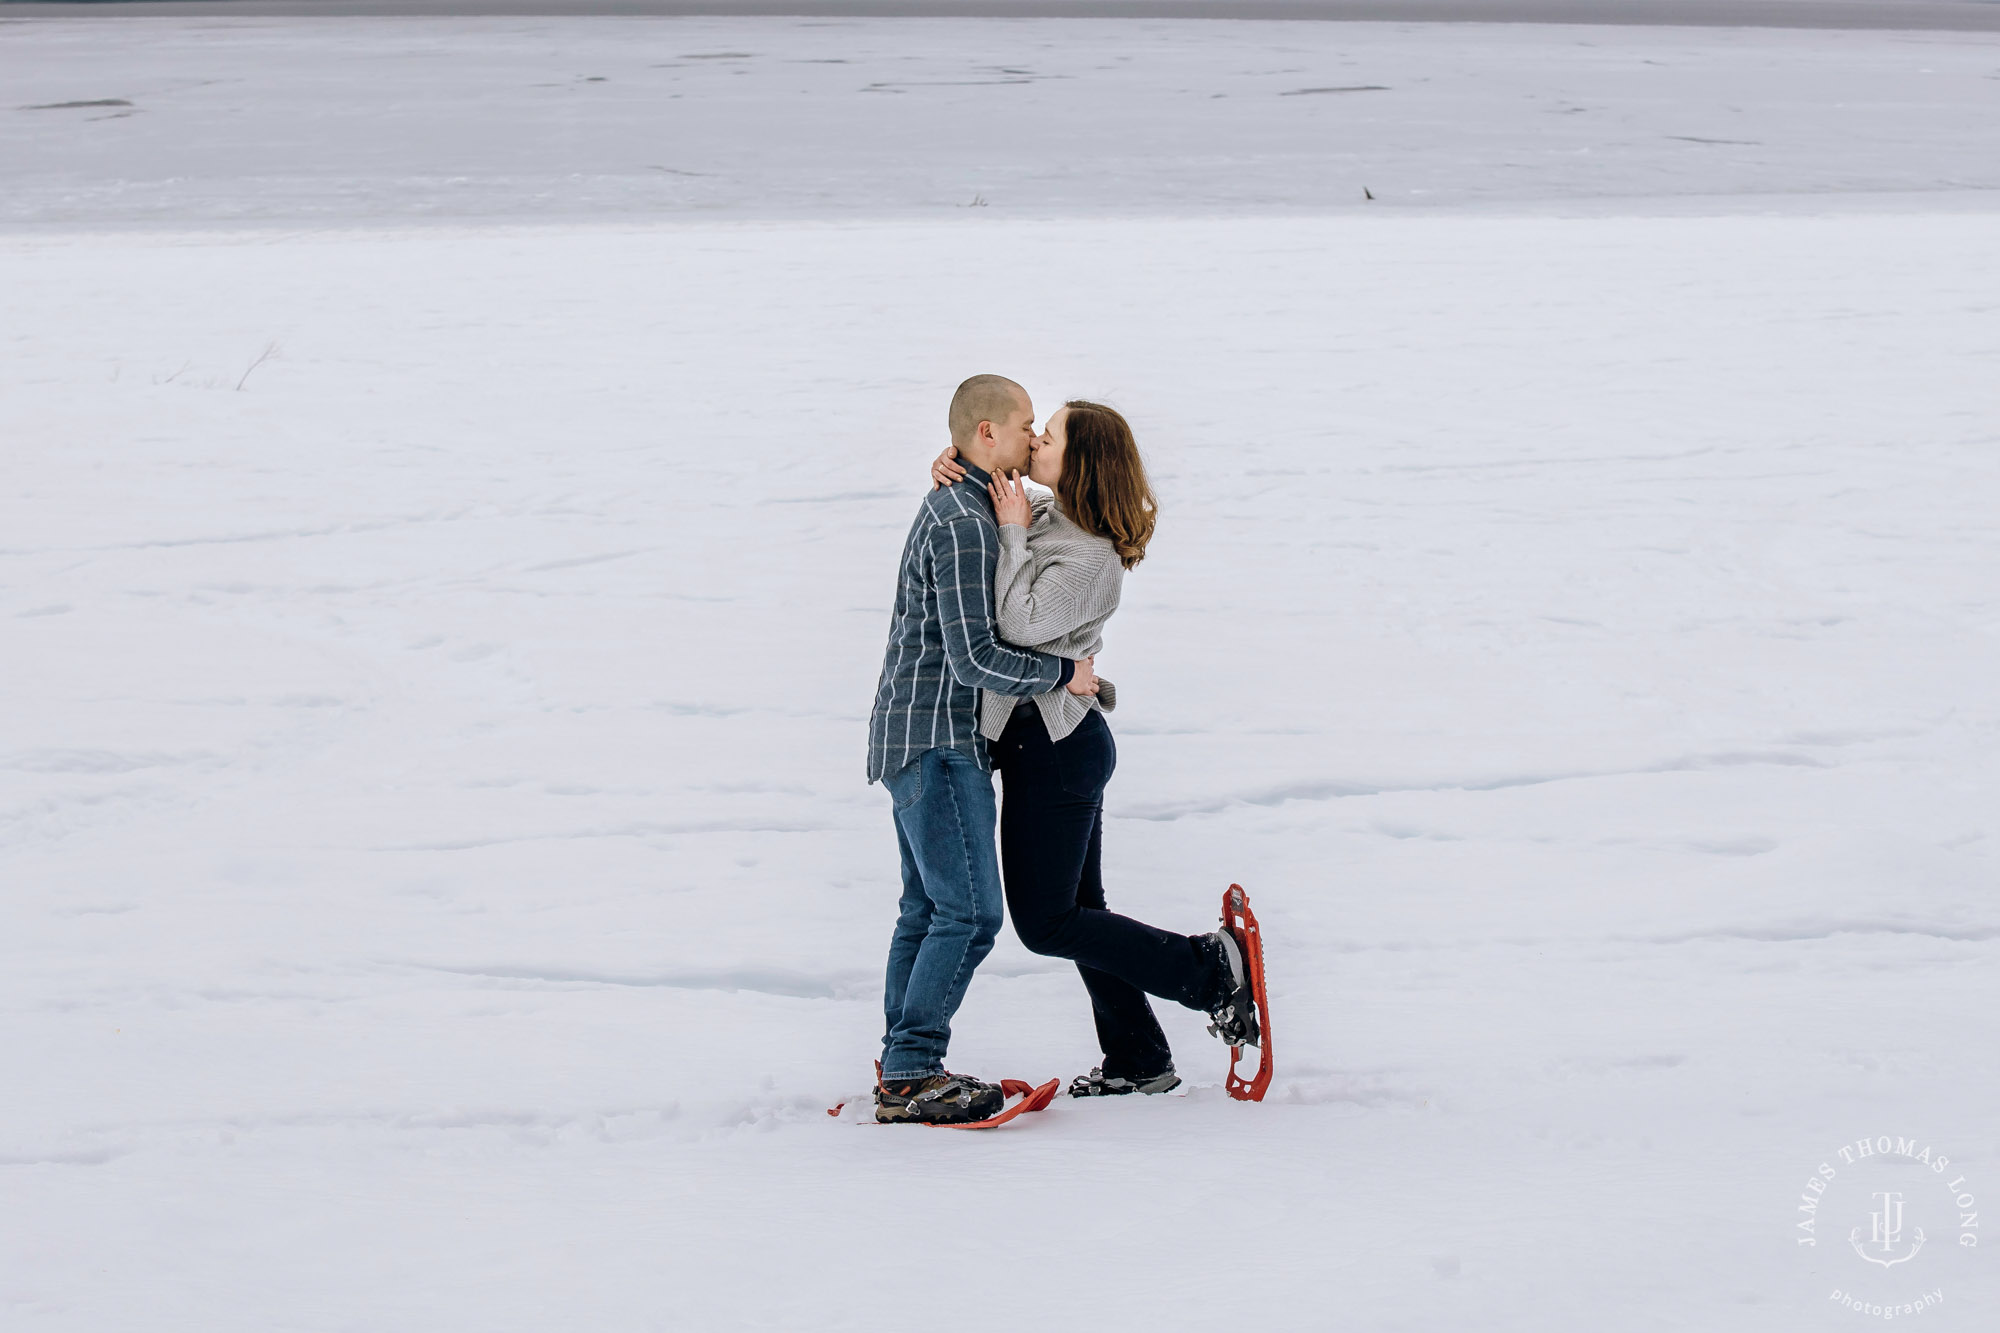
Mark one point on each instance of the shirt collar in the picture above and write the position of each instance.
(977, 475)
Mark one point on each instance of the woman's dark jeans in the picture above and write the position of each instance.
(1051, 832)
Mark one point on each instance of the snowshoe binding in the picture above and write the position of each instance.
(1232, 1007)
(941, 1099)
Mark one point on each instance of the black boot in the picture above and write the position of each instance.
(1098, 1084)
(1229, 1002)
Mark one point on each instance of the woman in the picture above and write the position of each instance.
(1062, 565)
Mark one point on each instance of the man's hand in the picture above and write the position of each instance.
(1084, 682)
(1010, 500)
(947, 469)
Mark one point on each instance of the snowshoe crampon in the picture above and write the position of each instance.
(1241, 922)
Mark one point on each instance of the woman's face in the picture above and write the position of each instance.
(1045, 454)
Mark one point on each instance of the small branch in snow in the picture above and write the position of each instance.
(270, 350)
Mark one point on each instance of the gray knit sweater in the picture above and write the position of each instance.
(1055, 587)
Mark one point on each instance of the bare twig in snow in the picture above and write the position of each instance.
(269, 351)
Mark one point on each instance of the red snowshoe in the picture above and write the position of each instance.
(1241, 922)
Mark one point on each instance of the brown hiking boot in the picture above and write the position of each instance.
(941, 1099)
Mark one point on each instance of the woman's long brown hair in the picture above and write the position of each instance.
(1103, 487)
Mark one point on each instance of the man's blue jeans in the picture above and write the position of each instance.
(951, 908)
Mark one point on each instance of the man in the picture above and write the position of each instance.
(924, 746)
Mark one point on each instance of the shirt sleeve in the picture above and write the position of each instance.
(963, 555)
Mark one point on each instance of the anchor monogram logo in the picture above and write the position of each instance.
(1886, 1233)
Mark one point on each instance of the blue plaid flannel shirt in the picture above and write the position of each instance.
(942, 648)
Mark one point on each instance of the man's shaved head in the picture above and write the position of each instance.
(983, 398)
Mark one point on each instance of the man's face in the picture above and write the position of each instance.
(1013, 437)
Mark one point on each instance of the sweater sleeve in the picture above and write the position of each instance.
(963, 555)
(1040, 604)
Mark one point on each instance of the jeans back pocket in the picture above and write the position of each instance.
(906, 786)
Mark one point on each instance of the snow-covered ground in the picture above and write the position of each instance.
(437, 885)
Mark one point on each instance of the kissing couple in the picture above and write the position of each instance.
(1001, 601)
